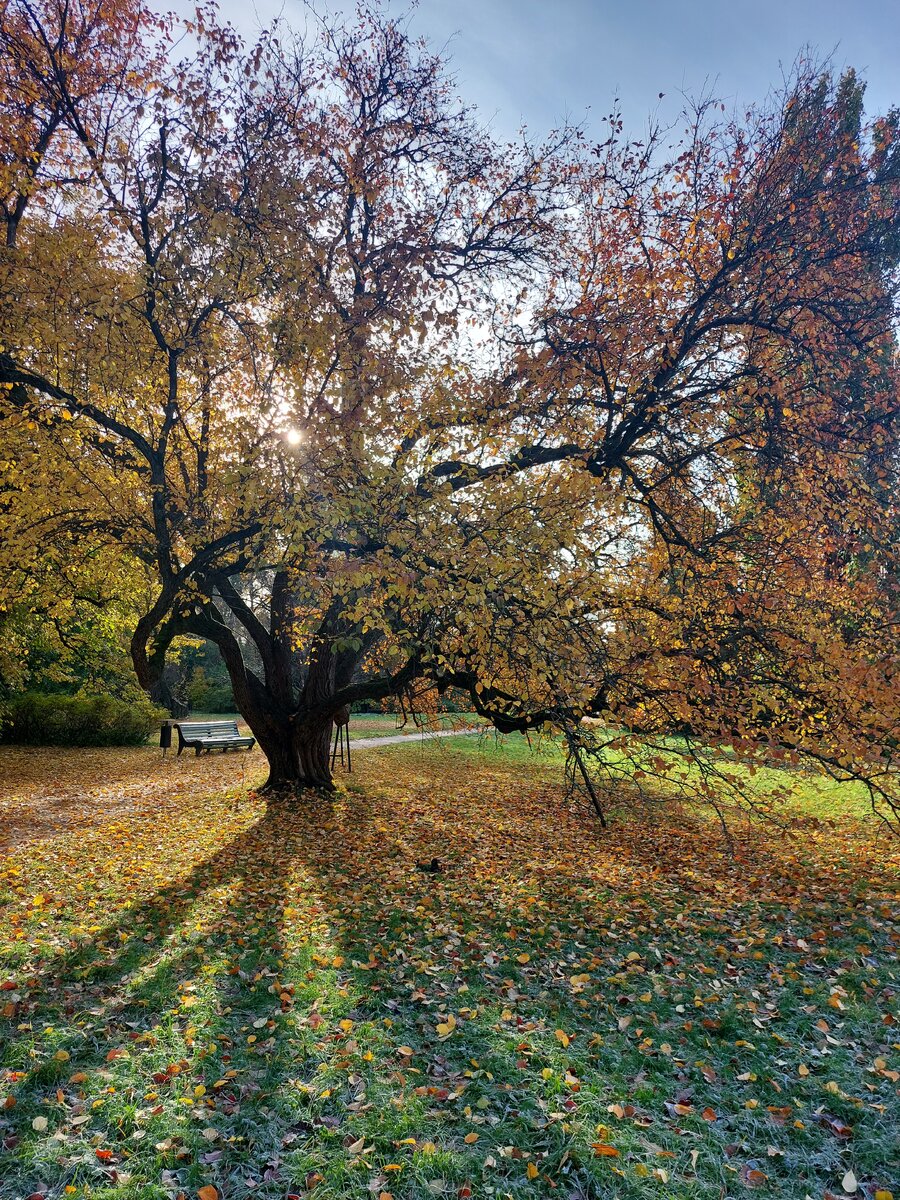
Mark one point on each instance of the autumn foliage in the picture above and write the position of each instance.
(377, 405)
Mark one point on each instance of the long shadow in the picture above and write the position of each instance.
(116, 993)
(180, 970)
(209, 983)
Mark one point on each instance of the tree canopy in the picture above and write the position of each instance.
(379, 404)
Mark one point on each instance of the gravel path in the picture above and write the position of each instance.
(424, 735)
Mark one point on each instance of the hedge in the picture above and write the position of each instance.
(38, 719)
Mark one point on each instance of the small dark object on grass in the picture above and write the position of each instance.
(432, 868)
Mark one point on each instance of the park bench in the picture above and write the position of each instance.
(212, 735)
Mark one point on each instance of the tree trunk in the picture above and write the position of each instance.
(166, 689)
(297, 742)
(297, 751)
(313, 744)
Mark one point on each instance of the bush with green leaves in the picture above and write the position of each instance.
(39, 719)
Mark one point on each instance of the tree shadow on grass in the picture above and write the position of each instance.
(304, 977)
(219, 958)
(134, 1012)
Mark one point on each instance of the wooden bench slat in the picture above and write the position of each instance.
(212, 735)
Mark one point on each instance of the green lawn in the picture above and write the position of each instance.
(366, 725)
(203, 992)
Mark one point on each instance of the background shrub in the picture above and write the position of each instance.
(38, 719)
(210, 691)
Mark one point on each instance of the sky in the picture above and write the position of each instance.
(537, 62)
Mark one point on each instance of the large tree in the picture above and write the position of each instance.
(384, 404)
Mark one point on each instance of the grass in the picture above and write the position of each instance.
(200, 991)
(367, 725)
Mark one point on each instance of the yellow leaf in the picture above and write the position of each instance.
(562, 1038)
(523, 958)
(604, 1150)
(470, 1138)
(346, 1025)
(531, 1171)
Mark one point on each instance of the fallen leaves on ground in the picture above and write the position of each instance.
(203, 995)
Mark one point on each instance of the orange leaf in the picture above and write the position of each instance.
(753, 1178)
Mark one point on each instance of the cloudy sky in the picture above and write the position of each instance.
(538, 62)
